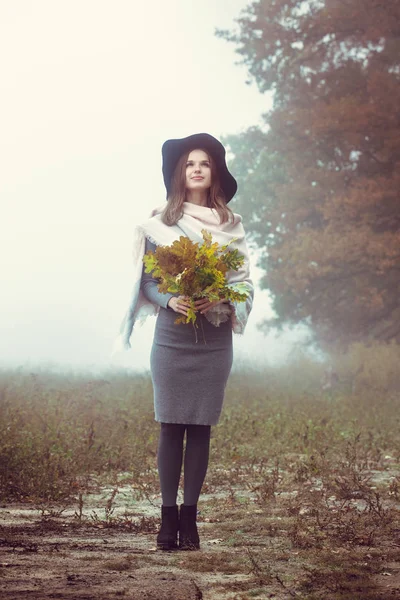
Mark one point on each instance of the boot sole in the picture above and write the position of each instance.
(167, 547)
(189, 547)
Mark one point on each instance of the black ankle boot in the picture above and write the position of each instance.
(167, 538)
(188, 535)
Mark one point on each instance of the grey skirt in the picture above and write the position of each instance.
(189, 377)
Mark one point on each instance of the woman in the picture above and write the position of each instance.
(189, 376)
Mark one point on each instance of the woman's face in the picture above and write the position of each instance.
(198, 171)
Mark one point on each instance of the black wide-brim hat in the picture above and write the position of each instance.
(172, 150)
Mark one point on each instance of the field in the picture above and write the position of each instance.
(301, 498)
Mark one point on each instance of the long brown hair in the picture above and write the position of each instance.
(177, 195)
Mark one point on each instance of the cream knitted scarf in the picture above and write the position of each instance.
(194, 219)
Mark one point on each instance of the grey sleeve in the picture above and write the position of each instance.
(149, 284)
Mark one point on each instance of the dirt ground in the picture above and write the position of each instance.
(48, 555)
(107, 551)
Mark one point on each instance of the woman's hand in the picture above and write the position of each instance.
(204, 305)
(180, 304)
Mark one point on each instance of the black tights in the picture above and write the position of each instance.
(169, 460)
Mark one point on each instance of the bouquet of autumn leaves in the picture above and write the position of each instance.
(196, 271)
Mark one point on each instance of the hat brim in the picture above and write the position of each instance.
(173, 149)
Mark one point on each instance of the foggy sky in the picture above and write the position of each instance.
(89, 91)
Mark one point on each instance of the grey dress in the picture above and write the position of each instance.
(189, 378)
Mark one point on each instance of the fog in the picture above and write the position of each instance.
(90, 90)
